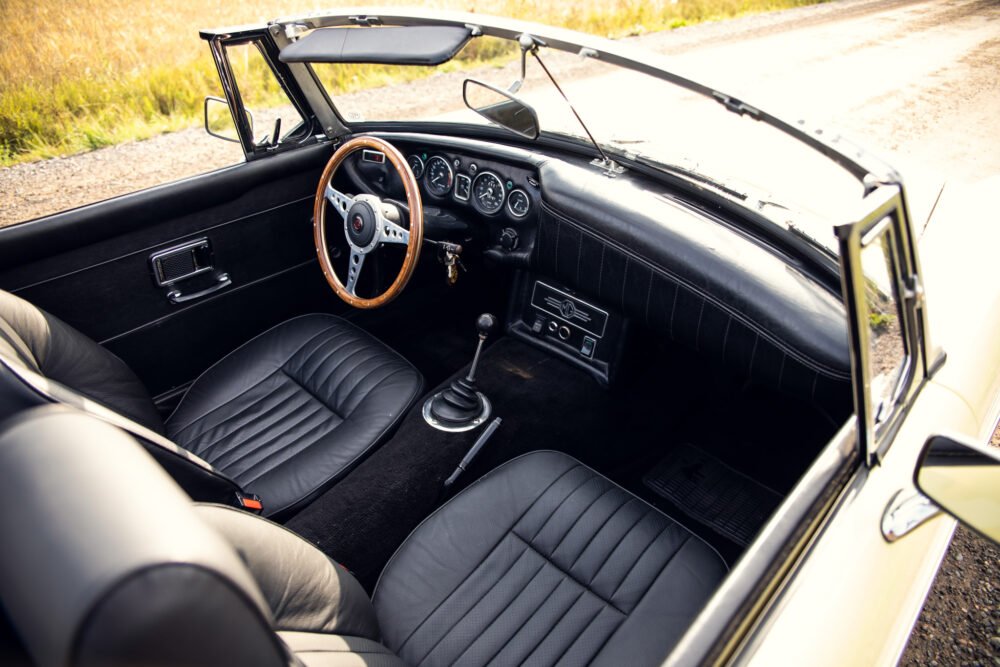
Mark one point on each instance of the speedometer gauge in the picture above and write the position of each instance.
(487, 193)
(439, 176)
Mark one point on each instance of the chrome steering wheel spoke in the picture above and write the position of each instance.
(392, 232)
(340, 202)
(354, 265)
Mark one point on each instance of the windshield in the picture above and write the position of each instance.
(627, 112)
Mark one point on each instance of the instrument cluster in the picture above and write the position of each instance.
(489, 190)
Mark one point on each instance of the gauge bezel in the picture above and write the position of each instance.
(431, 188)
(423, 166)
(510, 210)
(455, 188)
(475, 199)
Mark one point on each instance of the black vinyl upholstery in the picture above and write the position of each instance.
(49, 346)
(283, 416)
(293, 409)
(545, 562)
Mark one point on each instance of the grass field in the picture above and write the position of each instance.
(91, 73)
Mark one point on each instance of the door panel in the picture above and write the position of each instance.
(91, 267)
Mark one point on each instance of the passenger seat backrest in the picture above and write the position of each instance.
(106, 561)
(47, 345)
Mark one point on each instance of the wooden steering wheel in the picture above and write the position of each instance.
(368, 223)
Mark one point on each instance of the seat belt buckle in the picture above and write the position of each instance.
(251, 502)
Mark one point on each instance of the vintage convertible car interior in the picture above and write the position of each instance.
(635, 363)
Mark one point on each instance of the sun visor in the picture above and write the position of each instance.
(406, 45)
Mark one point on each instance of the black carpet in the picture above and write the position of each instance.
(670, 399)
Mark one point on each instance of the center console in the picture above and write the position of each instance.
(576, 329)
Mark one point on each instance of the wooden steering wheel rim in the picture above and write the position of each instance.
(416, 239)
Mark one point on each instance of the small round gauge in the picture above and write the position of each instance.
(439, 176)
(518, 203)
(416, 164)
(488, 192)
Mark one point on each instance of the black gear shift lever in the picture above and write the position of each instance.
(485, 324)
(462, 406)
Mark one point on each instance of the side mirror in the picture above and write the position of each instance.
(219, 121)
(964, 480)
(500, 107)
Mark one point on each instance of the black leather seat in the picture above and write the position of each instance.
(283, 416)
(543, 561)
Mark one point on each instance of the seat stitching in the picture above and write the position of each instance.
(226, 402)
(617, 546)
(628, 573)
(319, 399)
(292, 449)
(618, 509)
(644, 593)
(326, 357)
(242, 413)
(233, 398)
(319, 346)
(417, 389)
(580, 634)
(482, 560)
(346, 400)
(500, 613)
(336, 370)
(557, 507)
(570, 575)
(273, 436)
(545, 598)
(553, 626)
(643, 553)
(577, 519)
(483, 597)
(193, 439)
(266, 443)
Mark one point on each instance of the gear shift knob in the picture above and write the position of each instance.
(485, 324)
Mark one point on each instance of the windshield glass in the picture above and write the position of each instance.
(627, 112)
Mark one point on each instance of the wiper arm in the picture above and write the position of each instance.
(611, 168)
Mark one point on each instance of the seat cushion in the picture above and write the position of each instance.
(544, 561)
(294, 409)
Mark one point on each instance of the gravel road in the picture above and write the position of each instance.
(918, 81)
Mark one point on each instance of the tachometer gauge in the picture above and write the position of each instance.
(518, 203)
(417, 165)
(439, 176)
(487, 193)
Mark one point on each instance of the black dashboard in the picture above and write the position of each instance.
(630, 247)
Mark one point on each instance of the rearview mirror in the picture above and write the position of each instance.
(964, 480)
(500, 107)
(219, 120)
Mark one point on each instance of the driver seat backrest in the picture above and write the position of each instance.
(114, 565)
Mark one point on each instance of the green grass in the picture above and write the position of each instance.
(80, 76)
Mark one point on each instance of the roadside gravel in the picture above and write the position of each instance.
(862, 66)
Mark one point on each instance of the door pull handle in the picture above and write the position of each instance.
(222, 281)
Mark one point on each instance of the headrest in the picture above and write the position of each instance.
(105, 560)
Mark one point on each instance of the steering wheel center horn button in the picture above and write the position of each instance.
(361, 223)
(461, 406)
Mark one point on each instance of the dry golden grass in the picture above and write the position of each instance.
(80, 75)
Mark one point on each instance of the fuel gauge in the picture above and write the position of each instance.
(518, 203)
